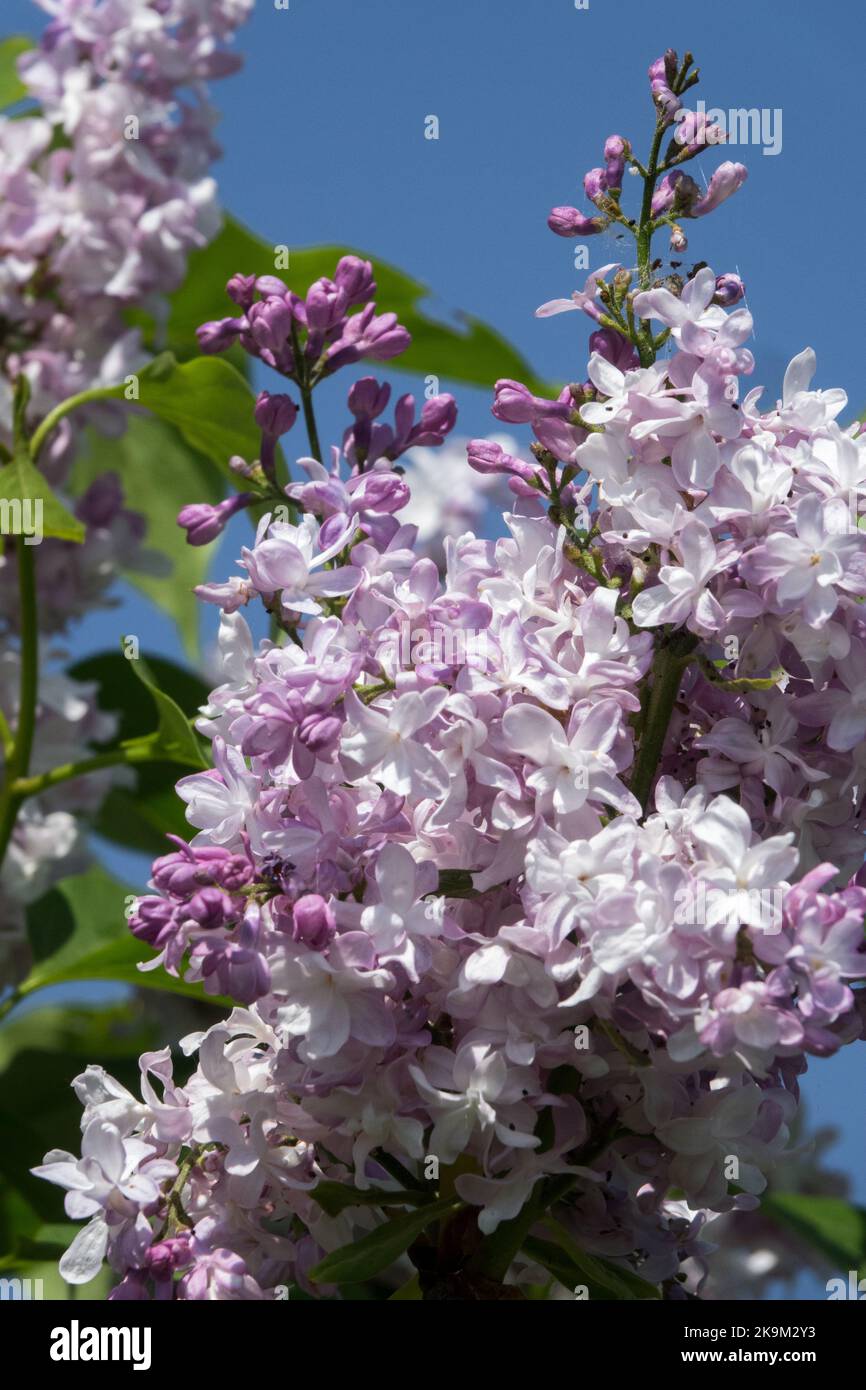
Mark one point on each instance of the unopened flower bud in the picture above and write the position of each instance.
(270, 322)
(203, 522)
(595, 184)
(313, 922)
(274, 414)
(242, 289)
(567, 221)
(729, 290)
(367, 399)
(355, 279)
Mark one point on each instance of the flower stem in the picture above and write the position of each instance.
(19, 757)
(671, 658)
(23, 787)
(306, 390)
(645, 345)
(53, 418)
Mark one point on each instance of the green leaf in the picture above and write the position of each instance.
(380, 1248)
(464, 350)
(829, 1225)
(206, 399)
(21, 481)
(12, 89)
(160, 473)
(78, 932)
(602, 1278)
(132, 701)
(554, 1259)
(408, 1292)
(175, 738)
(335, 1197)
(141, 816)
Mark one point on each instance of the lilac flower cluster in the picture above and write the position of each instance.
(676, 194)
(574, 909)
(105, 190)
(104, 193)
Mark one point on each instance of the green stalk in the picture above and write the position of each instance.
(19, 759)
(645, 346)
(306, 390)
(53, 418)
(671, 659)
(23, 787)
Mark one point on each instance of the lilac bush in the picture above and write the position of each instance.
(534, 875)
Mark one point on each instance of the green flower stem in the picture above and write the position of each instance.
(645, 344)
(671, 659)
(53, 418)
(129, 756)
(18, 763)
(306, 390)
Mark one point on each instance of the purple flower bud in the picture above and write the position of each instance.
(570, 222)
(616, 152)
(486, 457)
(218, 334)
(729, 290)
(319, 732)
(614, 348)
(165, 1256)
(274, 414)
(152, 920)
(368, 335)
(724, 182)
(326, 305)
(367, 399)
(209, 908)
(314, 922)
(676, 192)
(355, 278)
(513, 402)
(381, 492)
(240, 972)
(694, 131)
(594, 184)
(182, 873)
(438, 418)
(385, 338)
(270, 322)
(204, 522)
(234, 872)
(242, 289)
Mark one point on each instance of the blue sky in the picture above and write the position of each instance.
(323, 137)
